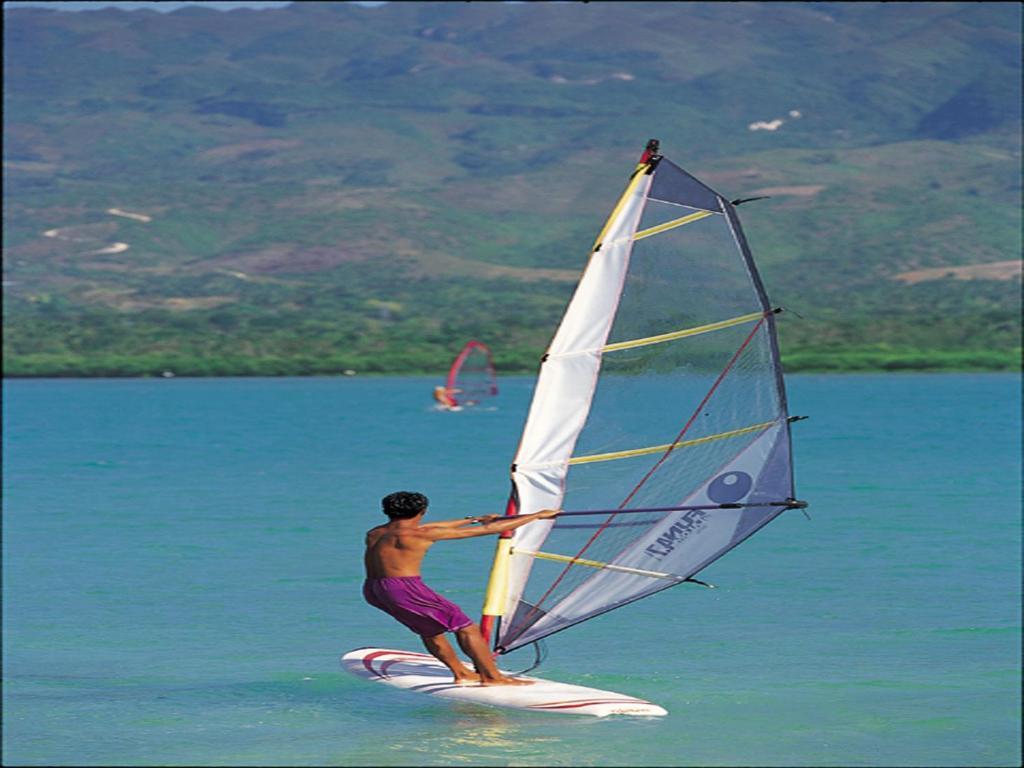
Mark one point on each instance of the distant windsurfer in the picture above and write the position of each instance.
(394, 552)
(444, 397)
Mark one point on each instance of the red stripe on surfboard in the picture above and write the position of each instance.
(602, 700)
(385, 666)
(403, 656)
(587, 703)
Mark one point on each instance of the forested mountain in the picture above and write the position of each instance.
(330, 186)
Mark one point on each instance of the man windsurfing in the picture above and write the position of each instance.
(444, 397)
(394, 552)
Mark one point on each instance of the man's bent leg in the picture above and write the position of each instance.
(442, 650)
(471, 640)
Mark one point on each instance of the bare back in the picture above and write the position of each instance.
(394, 551)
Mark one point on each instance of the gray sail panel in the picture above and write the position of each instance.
(674, 185)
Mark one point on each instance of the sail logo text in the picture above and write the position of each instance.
(688, 524)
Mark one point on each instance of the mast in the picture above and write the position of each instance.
(497, 583)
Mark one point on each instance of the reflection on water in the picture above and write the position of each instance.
(478, 727)
(470, 734)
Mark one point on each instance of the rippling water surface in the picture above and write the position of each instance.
(182, 565)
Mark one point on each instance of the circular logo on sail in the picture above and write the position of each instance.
(730, 487)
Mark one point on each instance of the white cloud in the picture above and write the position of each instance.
(762, 125)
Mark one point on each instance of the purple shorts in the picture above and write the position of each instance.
(415, 604)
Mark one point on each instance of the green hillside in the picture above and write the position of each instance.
(328, 186)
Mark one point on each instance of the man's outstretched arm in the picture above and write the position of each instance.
(461, 521)
(489, 528)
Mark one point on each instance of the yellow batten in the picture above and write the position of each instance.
(684, 333)
(668, 446)
(497, 585)
(673, 224)
(595, 564)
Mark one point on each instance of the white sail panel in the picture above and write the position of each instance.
(564, 387)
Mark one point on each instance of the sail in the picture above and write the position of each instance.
(471, 378)
(659, 417)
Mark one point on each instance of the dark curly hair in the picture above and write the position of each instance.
(403, 504)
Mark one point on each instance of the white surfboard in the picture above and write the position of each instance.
(422, 673)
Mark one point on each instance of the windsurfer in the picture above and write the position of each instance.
(394, 552)
(443, 397)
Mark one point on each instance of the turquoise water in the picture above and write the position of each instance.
(182, 567)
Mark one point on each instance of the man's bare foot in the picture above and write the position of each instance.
(505, 681)
(469, 678)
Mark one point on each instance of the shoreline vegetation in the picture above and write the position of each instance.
(326, 188)
(858, 360)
